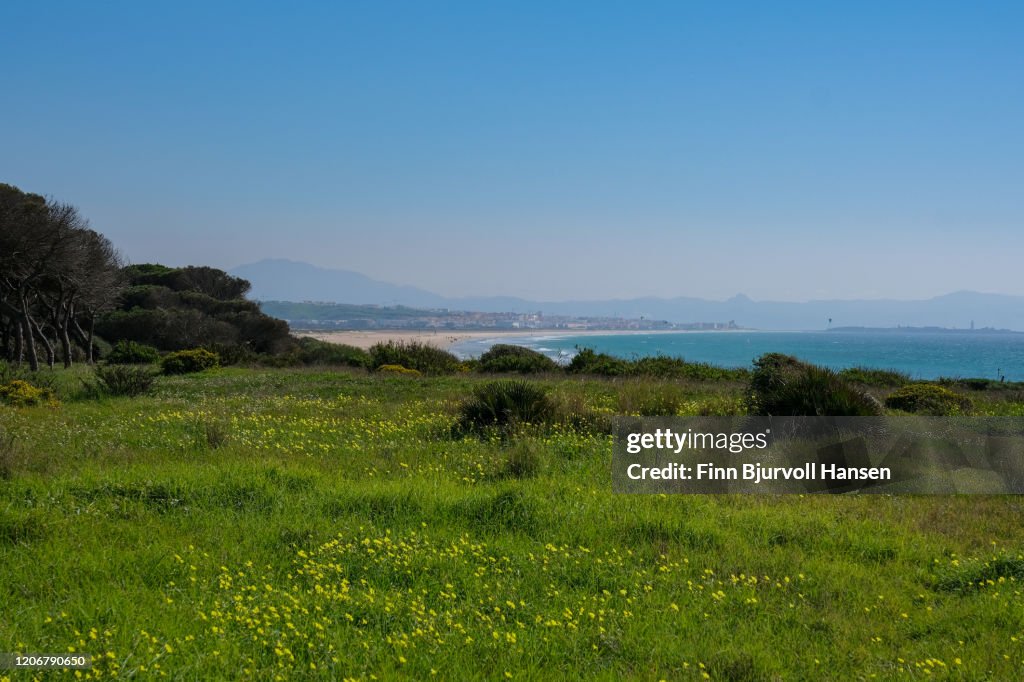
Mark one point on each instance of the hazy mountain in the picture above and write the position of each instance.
(284, 280)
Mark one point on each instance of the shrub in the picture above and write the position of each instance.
(772, 371)
(413, 355)
(505, 357)
(783, 386)
(929, 399)
(665, 367)
(315, 352)
(874, 377)
(20, 393)
(235, 353)
(586, 361)
(127, 352)
(503, 405)
(188, 361)
(123, 380)
(397, 369)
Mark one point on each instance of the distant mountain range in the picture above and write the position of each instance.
(284, 280)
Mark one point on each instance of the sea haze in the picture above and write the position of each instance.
(921, 354)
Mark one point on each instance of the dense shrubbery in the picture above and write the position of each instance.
(20, 393)
(781, 386)
(504, 357)
(503, 405)
(122, 380)
(131, 353)
(587, 361)
(314, 352)
(421, 357)
(179, 308)
(664, 367)
(929, 399)
(188, 361)
(874, 377)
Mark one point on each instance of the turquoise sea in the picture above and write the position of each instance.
(923, 355)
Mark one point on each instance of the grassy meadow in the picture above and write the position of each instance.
(326, 524)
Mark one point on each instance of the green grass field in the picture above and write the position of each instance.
(298, 524)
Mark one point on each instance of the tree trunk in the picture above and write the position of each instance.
(50, 354)
(65, 340)
(83, 339)
(19, 343)
(92, 327)
(33, 359)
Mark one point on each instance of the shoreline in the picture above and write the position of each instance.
(446, 339)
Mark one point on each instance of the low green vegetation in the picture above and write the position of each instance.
(421, 357)
(506, 358)
(21, 393)
(188, 361)
(782, 385)
(345, 523)
(121, 380)
(126, 352)
(929, 399)
(504, 405)
(870, 376)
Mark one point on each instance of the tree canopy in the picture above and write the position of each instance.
(57, 275)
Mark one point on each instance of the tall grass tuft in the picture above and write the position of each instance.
(503, 405)
(121, 380)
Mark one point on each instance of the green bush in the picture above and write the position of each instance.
(929, 399)
(783, 386)
(20, 393)
(503, 357)
(315, 352)
(503, 405)
(772, 371)
(587, 361)
(188, 361)
(122, 380)
(413, 355)
(127, 352)
(664, 367)
(874, 377)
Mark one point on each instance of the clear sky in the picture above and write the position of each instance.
(550, 150)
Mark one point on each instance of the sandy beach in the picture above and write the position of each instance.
(448, 338)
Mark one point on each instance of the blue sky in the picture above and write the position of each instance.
(549, 150)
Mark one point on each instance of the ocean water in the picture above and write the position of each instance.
(922, 355)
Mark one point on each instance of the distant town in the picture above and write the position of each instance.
(310, 315)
